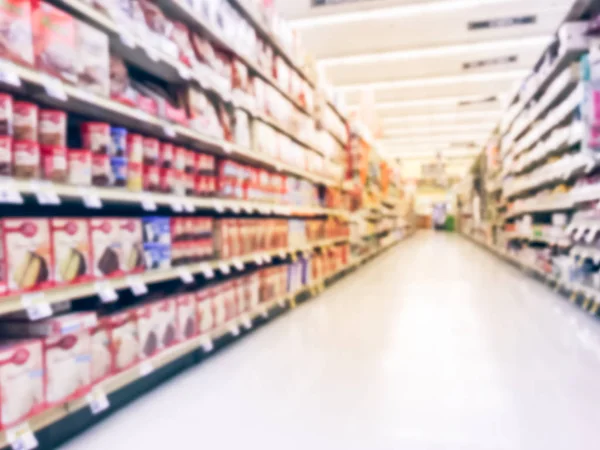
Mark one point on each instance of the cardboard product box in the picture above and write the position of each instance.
(151, 150)
(93, 67)
(25, 121)
(148, 331)
(21, 380)
(96, 137)
(6, 157)
(79, 163)
(150, 178)
(52, 128)
(167, 181)
(101, 350)
(166, 155)
(67, 349)
(157, 242)
(187, 321)
(27, 256)
(17, 34)
(217, 299)
(107, 248)
(72, 255)
(205, 316)
(26, 159)
(157, 326)
(124, 340)
(54, 42)
(231, 303)
(132, 245)
(54, 163)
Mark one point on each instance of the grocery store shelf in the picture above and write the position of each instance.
(559, 202)
(202, 343)
(150, 200)
(561, 242)
(13, 303)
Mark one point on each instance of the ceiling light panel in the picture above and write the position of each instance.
(478, 116)
(409, 131)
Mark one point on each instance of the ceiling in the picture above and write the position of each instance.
(436, 72)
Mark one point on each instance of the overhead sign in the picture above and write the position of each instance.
(502, 22)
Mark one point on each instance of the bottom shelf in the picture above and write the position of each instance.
(54, 426)
(585, 297)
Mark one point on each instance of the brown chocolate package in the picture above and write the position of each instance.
(52, 128)
(26, 159)
(25, 124)
(5, 155)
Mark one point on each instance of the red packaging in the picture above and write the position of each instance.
(165, 159)
(17, 42)
(80, 166)
(101, 345)
(107, 247)
(101, 170)
(151, 178)
(6, 115)
(187, 324)
(190, 184)
(151, 150)
(135, 148)
(132, 245)
(25, 125)
(205, 318)
(190, 161)
(72, 255)
(179, 158)
(96, 137)
(157, 325)
(26, 156)
(166, 183)
(217, 299)
(179, 182)
(6, 160)
(124, 340)
(52, 128)
(135, 177)
(21, 380)
(231, 304)
(54, 41)
(54, 163)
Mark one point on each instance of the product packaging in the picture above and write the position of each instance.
(25, 125)
(52, 128)
(72, 252)
(118, 171)
(16, 32)
(204, 310)
(157, 242)
(96, 137)
(93, 69)
(80, 166)
(54, 41)
(101, 169)
(107, 248)
(132, 245)
(21, 380)
(27, 160)
(6, 115)
(101, 350)
(166, 155)
(124, 340)
(6, 156)
(150, 178)
(157, 325)
(187, 326)
(54, 163)
(151, 148)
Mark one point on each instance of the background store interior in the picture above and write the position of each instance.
(203, 201)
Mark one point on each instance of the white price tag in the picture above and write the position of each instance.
(258, 259)
(137, 285)
(281, 302)
(267, 258)
(176, 206)
(54, 88)
(282, 253)
(97, 400)
(106, 292)
(169, 130)
(246, 322)
(224, 268)
(127, 38)
(238, 264)
(207, 271)
(45, 192)
(185, 275)
(8, 74)
(235, 208)
(184, 72)
(234, 329)
(218, 206)
(36, 306)
(21, 437)
(188, 206)
(152, 54)
(265, 313)
(227, 147)
(148, 203)
(146, 368)
(90, 198)
(207, 344)
(9, 192)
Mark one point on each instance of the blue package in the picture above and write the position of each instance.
(118, 171)
(118, 141)
(157, 230)
(157, 256)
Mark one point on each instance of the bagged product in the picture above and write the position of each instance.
(72, 252)
(93, 69)
(107, 248)
(21, 380)
(54, 41)
(15, 31)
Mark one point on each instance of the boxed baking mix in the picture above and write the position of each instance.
(157, 242)
(16, 31)
(132, 245)
(124, 339)
(93, 69)
(107, 248)
(100, 342)
(187, 323)
(72, 260)
(204, 310)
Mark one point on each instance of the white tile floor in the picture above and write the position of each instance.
(436, 345)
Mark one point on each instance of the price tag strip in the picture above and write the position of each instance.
(8, 73)
(54, 88)
(206, 343)
(146, 368)
(106, 292)
(238, 264)
(185, 275)
(36, 306)
(90, 198)
(207, 271)
(9, 192)
(97, 400)
(45, 192)
(246, 322)
(224, 268)
(137, 285)
(234, 329)
(21, 437)
(148, 203)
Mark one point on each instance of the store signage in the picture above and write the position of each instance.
(501, 23)
(478, 64)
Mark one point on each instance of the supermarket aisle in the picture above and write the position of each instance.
(435, 345)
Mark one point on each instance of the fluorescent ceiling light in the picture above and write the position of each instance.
(448, 50)
(433, 130)
(436, 101)
(394, 12)
(438, 81)
(431, 155)
(480, 116)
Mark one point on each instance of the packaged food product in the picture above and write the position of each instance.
(93, 71)
(134, 176)
(71, 250)
(135, 148)
(6, 115)
(166, 155)
(107, 248)
(101, 350)
(54, 163)
(179, 158)
(151, 178)
(151, 150)
(118, 142)
(167, 180)
(187, 326)
(101, 169)
(204, 311)
(26, 156)
(21, 380)
(25, 125)
(132, 245)
(156, 326)
(52, 128)
(118, 171)
(157, 242)
(16, 32)
(217, 296)
(124, 340)
(6, 159)
(120, 84)
(80, 166)
(54, 41)
(96, 137)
